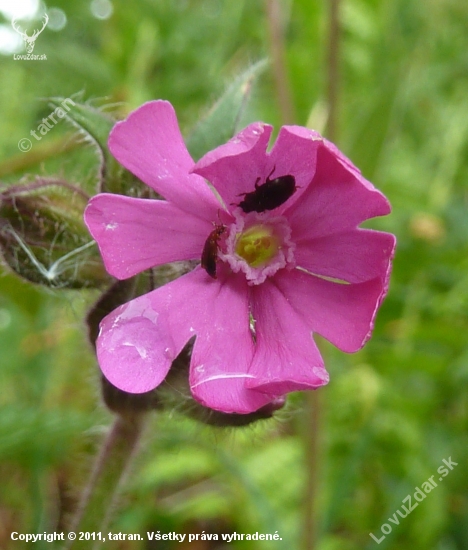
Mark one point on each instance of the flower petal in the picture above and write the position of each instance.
(294, 153)
(139, 341)
(136, 234)
(342, 313)
(222, 356)
(286, 357)
(150, 145)
(354, 256)
(338, 199)
(234, 167)
(134, 349)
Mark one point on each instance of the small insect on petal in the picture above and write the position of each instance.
(269, 195)
(210, 250)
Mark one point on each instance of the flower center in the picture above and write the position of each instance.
(258, 244)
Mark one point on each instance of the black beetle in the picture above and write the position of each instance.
(210, 250)
(269, 195)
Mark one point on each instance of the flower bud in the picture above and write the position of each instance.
(43, 237)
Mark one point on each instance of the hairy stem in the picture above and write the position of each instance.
(111, 467)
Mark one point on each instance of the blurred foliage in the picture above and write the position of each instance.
(391, 412)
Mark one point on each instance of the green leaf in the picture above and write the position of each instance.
(221, 122)
(95, 125)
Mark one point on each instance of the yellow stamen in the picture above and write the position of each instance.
(257, 245)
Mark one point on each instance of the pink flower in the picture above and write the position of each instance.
(282, 258)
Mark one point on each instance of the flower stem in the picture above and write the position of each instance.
(311, 431)
(278, 55)
(110, 470)
(333, 68)
(313, 407)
